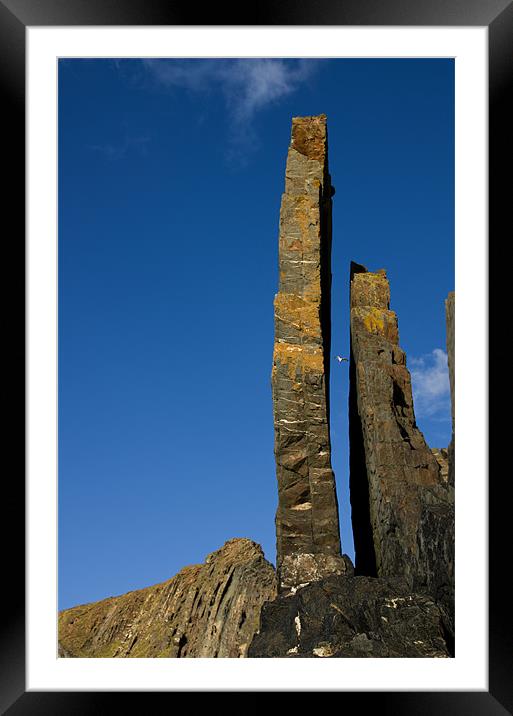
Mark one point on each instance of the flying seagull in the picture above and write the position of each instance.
(340, 359)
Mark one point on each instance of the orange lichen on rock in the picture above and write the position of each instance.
(309, 136)
(307, 528)
(370, 289)
(299, 359)
(300, 313)
(378, 321)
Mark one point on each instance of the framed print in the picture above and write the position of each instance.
(97, 306)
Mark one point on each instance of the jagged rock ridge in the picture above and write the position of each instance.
(307, 527)
(395, 477)
(206, 610)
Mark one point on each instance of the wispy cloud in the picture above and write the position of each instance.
(114, 152)
(430, 385)
(248, 86)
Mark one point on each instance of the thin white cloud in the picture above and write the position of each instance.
(430, 385)
(248, 86)
(114, 152)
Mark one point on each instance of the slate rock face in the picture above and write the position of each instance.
(351, 617)
(402, 502)
(389, 455)
(391, 458)
(206, 610)
(434, 566)
(307, 526)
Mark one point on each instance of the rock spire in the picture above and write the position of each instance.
(390, 463)
(307, 525)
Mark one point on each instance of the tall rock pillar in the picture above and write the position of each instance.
(307, 526)
(393, 471)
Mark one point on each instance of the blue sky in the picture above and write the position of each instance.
(170, 180)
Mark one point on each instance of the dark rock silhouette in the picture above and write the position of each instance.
(351, 617)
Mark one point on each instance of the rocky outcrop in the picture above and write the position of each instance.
(352, 617)
(206, 610)
(402, 502)
(449, 321)
(391, 465)
(307, 527)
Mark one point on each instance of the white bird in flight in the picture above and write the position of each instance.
(340, 359)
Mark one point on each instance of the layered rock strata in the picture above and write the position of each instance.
(206, 610)
(307, 526)
(352, 617)
(399, 498)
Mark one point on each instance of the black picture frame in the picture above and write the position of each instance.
(15, 17)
